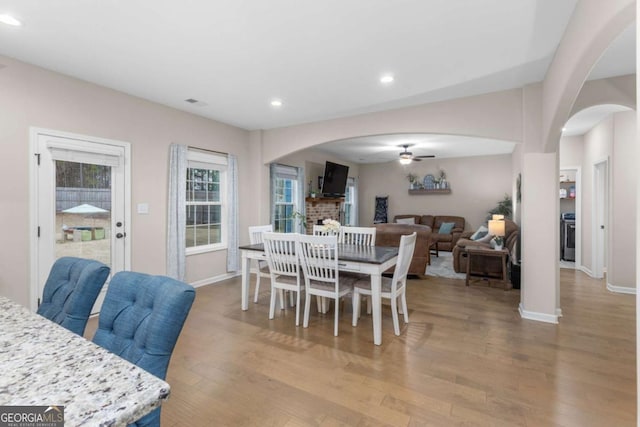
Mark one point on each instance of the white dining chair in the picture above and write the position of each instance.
(363, 236)
(319, 258)
(284, 268)
(255, 237)
(392, 288)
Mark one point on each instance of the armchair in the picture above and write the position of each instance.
(460, 255)
(140, 321)
(71, 290)
(389, 234)
(446, 239)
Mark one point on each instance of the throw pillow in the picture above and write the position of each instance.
(406, 221)
(446, 227)
(485, 239)
(480, 233)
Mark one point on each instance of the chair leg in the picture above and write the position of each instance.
(368, 304)
(404, 306)
(394, 314)
(255, 297)
(298, 308)
(307, 306)
(355, 302)
(282, 299)
(291, 299)
(272, 304)
(335, 317)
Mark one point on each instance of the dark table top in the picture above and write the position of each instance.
(353, 253)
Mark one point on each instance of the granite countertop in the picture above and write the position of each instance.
(42, 363)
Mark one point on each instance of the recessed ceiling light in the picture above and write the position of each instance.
(276, 103)
(386, 79)
(9, 20)
(564, 129)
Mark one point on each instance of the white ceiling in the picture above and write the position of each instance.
(323, 59)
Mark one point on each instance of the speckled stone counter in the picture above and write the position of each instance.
(42, 363)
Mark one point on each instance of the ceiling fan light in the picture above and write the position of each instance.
(405, 160)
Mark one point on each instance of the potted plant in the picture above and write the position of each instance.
(412, 178)
(504, 207)
(301, 218)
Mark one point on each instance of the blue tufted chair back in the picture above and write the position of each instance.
(140, 321)
(71, 290)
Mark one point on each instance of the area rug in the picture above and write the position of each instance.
(442, 266)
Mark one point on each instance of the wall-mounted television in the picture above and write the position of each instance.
(334, 182)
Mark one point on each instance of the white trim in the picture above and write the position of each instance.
(214, 279)
(195, 250)
(585, 270)
(621, 289)
(559, 312)
(539, 317)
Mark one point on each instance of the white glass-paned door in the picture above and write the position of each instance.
(81, 204)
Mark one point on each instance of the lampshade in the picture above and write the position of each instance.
(496, 227)
(497, 217)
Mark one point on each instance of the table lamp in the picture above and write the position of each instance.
(496, 227)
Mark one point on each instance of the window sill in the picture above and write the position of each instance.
(205, 249)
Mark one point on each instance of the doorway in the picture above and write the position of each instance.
(570, 217)
(80, 204)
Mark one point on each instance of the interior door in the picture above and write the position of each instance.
(81, 206)
(600, 219)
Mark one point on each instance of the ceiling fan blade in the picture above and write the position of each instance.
(429, 156)
(415, 159)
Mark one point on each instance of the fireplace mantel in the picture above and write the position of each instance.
(320, 208)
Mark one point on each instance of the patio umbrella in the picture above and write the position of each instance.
(85, 209)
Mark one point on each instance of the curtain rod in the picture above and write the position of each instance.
(206, 150)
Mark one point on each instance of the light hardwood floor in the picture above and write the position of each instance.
(466, 358)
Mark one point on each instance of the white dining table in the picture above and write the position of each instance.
(369, 260)
(44, 364)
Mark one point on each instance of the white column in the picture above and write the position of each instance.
(540, 238)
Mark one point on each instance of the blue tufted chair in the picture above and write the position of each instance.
(140, 321)
(71, 290)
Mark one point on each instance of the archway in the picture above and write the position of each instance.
(600, 138)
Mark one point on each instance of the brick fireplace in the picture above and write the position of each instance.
(319, 208)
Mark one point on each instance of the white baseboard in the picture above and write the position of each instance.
(621, 289)
(539, 317)
(585, 270)
(214, 279)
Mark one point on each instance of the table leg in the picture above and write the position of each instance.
(376, 307)
(246, 264)
(504, 272)
(466, 280)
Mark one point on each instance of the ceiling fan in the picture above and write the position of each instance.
(407, 157)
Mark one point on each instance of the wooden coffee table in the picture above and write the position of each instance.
(478, 252)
